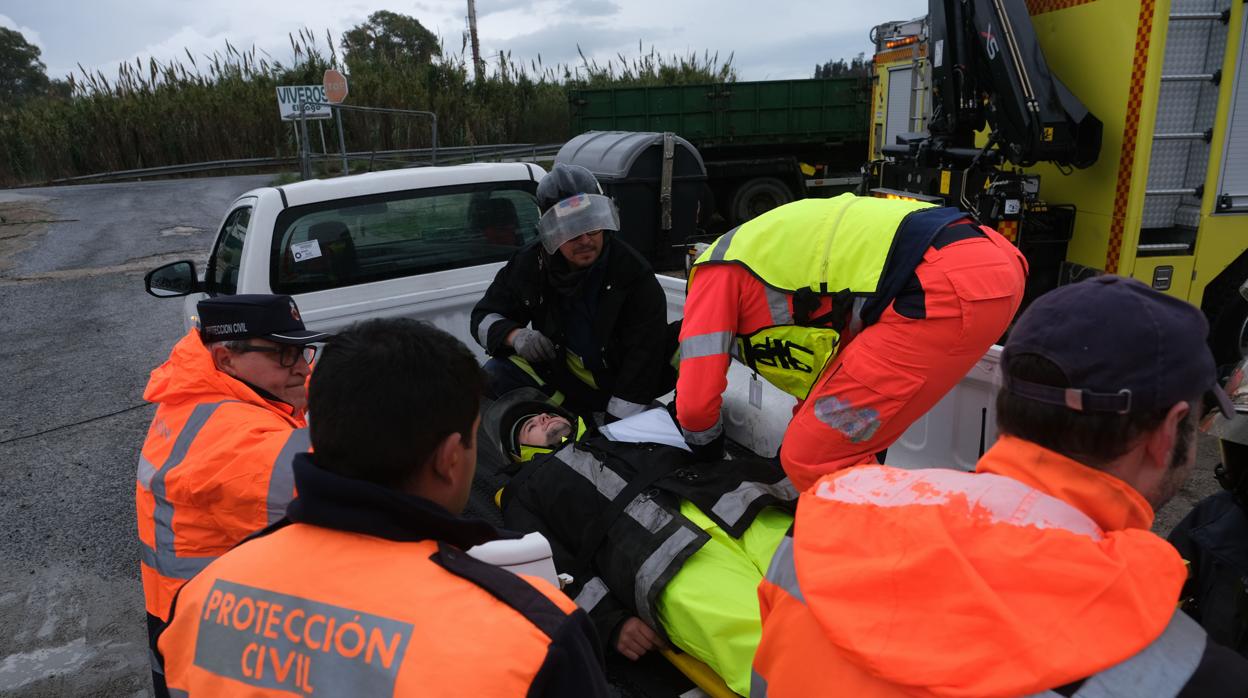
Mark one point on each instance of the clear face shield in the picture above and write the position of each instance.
(575, 216)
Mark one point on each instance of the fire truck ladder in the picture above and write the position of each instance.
(1186, 106)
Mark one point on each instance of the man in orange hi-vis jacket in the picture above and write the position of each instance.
(229, 419)
(365, 588)
(866, 310)
(1037, 574)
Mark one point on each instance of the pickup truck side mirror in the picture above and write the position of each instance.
(172, 280)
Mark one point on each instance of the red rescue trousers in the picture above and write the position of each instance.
(895, 370)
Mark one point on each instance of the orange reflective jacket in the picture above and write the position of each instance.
(1033, 572)
(307, 610)
(215, 468)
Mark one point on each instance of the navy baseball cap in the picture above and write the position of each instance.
(1122, 346)
(247, 316)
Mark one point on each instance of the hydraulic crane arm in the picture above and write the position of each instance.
(988, 68)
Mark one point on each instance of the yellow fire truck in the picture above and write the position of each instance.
(1101, 135)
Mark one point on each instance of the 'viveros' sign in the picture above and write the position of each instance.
(294, 99)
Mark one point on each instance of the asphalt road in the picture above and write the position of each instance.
(79, 339)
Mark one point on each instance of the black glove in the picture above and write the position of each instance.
(713, 450)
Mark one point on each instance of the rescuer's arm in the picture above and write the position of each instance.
(501, 310)
(706, 338)
(642, 332)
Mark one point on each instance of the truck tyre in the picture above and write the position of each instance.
(1228, 329)
(757, 196)
(1228, 314)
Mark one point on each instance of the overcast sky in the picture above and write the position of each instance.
(769, 40)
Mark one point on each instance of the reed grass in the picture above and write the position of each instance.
(223, 106)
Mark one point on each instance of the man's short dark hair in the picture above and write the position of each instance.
(1092, 438)
(385, 393)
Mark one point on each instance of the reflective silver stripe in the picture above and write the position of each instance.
(647, 513)
(653, 568)
(701, 438)
(1161, 669)
(155, 662)
(178, 693)
(609, 485)
(483, 329)
(593, 592)
(855, 318)
(709, 344)
(778, 304)
(146, 472)
(733, 505)
(162, 557)
(721, 245)
(171, 565)
(282, 478)
(782, 571)
(603, 478)
(758, 685)
(621, 408)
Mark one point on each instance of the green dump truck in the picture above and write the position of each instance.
(764, 143)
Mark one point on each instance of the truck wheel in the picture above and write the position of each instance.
(758, 196)
(1228, 330)
(1228, 314)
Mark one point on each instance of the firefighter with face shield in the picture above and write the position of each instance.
(578, 314)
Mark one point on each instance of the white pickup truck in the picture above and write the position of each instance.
(426, 243)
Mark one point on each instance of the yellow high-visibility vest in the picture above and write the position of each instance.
(825, 246)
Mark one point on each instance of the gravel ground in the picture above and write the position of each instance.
(80, 337)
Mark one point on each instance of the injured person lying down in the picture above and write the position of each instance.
(662, 550)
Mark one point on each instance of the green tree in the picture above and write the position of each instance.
(858, 66)
(389, 38)
(22, 74)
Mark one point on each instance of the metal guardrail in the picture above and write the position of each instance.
(408, 156)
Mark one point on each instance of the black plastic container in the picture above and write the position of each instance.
(629, 165)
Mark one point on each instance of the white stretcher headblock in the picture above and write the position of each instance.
(528, 555)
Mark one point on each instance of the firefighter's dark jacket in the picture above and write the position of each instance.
(573, 662)
(630, 321)
(612, 514)
(1213, 538)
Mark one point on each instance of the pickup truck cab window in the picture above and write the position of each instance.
(223, 264)
(353, 241)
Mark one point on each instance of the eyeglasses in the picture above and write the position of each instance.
(287, 354)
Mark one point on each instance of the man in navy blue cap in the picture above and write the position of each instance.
(216, 465)
(1111, 373)
(1037, 574)
(261, 341)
